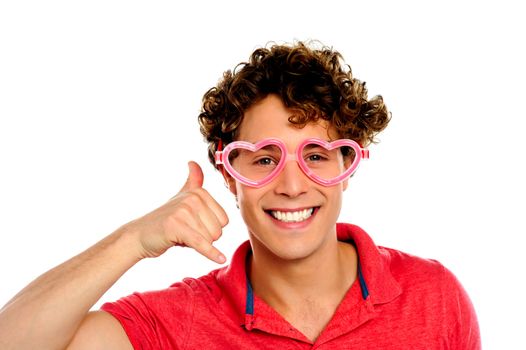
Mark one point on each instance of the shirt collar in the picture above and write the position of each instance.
(377, 277)
(377, 284)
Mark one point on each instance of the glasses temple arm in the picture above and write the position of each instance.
(218, 157)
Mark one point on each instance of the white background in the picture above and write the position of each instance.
(98, 107)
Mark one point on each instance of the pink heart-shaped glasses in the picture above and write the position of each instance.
(278, 163)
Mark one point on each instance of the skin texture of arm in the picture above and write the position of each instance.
(52, 311)
(48, 312)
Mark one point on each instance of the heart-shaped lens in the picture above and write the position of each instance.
(328, 163)
(254, 163)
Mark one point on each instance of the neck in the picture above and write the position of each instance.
(324, 276)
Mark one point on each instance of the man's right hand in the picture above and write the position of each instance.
(192, 218)
(30, 320)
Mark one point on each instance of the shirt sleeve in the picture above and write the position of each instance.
(155, 320)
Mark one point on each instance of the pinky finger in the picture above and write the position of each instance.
(204, 247)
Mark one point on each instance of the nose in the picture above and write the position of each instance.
(291, 182)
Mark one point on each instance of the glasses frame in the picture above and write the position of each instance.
(221, 158)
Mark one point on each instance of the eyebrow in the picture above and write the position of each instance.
(269, 148)
(313, 145)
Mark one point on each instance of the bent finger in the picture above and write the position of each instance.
(211, 223)
(203, 246)
(215, 207)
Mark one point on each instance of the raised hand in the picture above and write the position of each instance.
(192, 218)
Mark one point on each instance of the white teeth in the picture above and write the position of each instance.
(295, 216)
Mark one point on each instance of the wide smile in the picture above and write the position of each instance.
(292, 216)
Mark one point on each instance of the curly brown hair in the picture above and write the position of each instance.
(313, 83)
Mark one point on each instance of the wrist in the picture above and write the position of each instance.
(127, 243)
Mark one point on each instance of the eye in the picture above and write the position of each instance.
(315, 158)
(265, 161)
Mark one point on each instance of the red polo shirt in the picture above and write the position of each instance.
(399, 301)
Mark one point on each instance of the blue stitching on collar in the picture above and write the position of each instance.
(249, 310)
(363, 285)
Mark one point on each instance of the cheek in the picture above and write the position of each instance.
(335, 197)
(249, 204)
(240, 194)
(247, 197)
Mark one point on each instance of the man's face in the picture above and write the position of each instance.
(290, 191)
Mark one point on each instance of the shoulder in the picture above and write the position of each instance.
(432, 291)
(409, 268)
(163, 318)
(421, 275)
(180, 295)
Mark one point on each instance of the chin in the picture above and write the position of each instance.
(294, 247)
(299, 253)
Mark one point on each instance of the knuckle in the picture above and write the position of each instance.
(199, 243)
(194, 199)
(224, 219)
(191, 241)
(179, 216)
(184, 210)
(200, 191)
(216, 234)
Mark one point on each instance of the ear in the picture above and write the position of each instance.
(345, 184)
(230, 182)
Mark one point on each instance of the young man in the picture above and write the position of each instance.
(286, 130)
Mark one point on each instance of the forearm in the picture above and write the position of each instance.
(48, 311)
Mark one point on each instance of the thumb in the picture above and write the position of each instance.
(195, 176)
